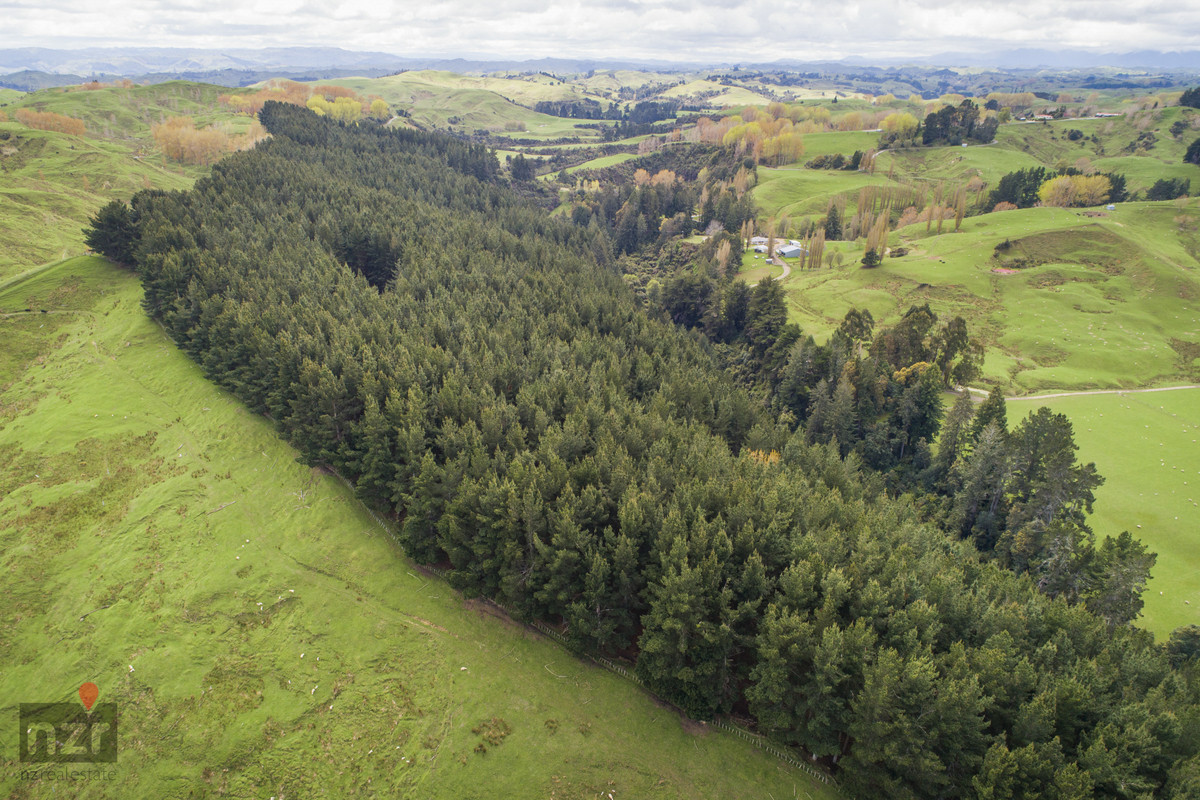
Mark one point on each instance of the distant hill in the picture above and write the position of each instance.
(145, 61)
(1068, 59)
(33, 68)
(176, 60)
(29, 80)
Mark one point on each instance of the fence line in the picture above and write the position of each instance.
(766, 745)
(758, 740)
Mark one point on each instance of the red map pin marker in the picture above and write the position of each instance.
(88, 694)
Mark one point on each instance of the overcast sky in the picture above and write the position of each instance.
(701, 30)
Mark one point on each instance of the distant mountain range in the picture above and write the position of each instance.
(30, 68)
(1028, 58)
(131, 61)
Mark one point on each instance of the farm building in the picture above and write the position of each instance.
(757, 240)
(789, 251)
(760, 248)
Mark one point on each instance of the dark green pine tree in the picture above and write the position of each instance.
(992, 409)
(423, 505)
(111, 233)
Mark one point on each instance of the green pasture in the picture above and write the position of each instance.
(115, 112)
(604, 161)
(953, 165)
(1145, 446)
(611, 81)
(259, 631)
(524, 90)
(51, 183)
(721, 96)
(1103, 301)
(1138, 144)
(796, 193)
(9, 95)
(834, 142)
(433, 98)
(1093, 299)
(754, 268)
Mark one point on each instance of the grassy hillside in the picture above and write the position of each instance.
(51, 183)
(1080, 299)
(1138, 144)
(717, 95)
(807, 192)
(259, 631)
(113, 112)
(1100, 302)
(434, 99)
(609, 82)
(604, 161)
(524, 90)
(954, 164)
(1145, 445)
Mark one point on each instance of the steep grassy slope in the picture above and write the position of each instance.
(114, 112)
(260, 632)
(717, 95)
(1138, 144)
(1145, 445)
(442, 99)
(524, 90)
(1090, 301)
(51, 183)
(1069, 295)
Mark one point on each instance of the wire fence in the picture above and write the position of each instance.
(758, 740)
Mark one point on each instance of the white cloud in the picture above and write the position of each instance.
(709, 30)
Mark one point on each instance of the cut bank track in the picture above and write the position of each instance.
(1094, 391)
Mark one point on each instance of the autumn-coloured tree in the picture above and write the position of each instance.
(850, 122)
(1067, 191)
(900, 123)
(343, 109)
(816, 248)
(49, 121)
(976, 186)
(877, 233)
(937, 201)
(283, 91)
(332, 93)
(724, 251)
(181, 141)
(664, 178)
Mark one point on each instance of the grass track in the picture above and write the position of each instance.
(260, 633)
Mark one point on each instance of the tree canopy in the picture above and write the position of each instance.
(474, 370)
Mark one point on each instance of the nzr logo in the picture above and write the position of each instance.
(64, 733)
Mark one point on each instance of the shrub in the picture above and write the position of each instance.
(49, 121)
(1168, 189)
